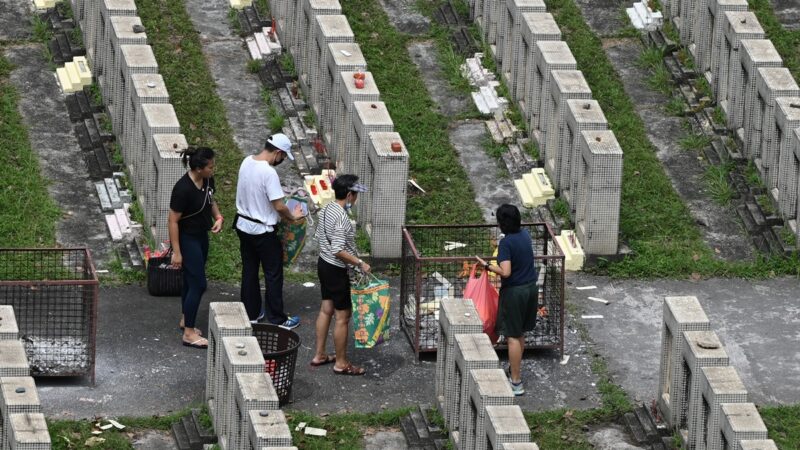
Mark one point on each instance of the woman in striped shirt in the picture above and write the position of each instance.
(337, 251)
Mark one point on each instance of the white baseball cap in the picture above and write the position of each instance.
(282, 143)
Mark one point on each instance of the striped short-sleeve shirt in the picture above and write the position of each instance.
(335, 232)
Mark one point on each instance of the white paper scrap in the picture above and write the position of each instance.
(116, 424)
(592, 316)
(308, 284)
(583, 288)
(596, 299)
(346, 53)
(564, 360)
(300, 426)
(316, 431)
(106, 426)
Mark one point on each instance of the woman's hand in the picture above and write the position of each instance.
(365, 267)
(217, 227)
(177, 260)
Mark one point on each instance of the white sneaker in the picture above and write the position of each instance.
(517, 388)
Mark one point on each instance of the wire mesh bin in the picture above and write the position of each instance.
(436, 264)
(279, 348)
(54, 296)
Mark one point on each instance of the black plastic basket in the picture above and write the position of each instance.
(279, 348)
(163, 280)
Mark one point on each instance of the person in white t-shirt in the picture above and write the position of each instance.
(259, 206)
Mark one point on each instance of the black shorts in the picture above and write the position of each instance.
(334, 284)
(516, 312)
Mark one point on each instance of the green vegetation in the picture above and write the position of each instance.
(783, 424)
(561, 209)
(41, 30)
(692, 141)
(717, 180)
(654, 222)
(275, 119)
(28, 216)
(765, 204)
(718, 116)
(344, 430)
(77, 434)
(433, 161)
(287, 63)
(660, 80)
(254, 65)
(651, 58)
(176, 45)
(752, 176)
(233, 21)
(675, 106)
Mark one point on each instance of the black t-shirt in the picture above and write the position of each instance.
(193, 204)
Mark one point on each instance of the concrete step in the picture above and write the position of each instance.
(180, 436)
(207, 436)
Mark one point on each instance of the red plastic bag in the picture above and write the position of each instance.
(485, 297)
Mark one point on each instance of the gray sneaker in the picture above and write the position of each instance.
(517, 388)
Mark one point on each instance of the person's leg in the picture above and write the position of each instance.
(192, 249)
(271, 254)
(516, 347)
(323, 324)
(341, 330)
(251, 289)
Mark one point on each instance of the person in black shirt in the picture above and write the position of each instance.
(192, 212)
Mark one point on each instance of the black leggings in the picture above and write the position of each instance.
(194, 249)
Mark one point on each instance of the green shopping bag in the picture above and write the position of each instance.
(293, 235)
(371, 300)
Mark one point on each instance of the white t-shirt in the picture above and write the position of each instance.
(258, 186)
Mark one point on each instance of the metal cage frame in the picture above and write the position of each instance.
(417, 262)
(61, 282)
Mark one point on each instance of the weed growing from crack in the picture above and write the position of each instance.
(651, 58)
(716, 177)
(675, 106)
(660, 80)
(254, 65)
(694, 141)
(233, 21)
(275, 119)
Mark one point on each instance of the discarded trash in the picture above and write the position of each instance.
(346, 53)
(450, 245)
(592, 316)
(564, 360)
(414, 183)
(94, 441)
(116, 424)
(311, 431)
(596, 299)
(300, 426)
(308, 284)
(106, 426)
(101, 270)
(583, 288)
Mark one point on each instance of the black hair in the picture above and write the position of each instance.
(197, 157)
(508, 218)
(342, 185)
(269, 146)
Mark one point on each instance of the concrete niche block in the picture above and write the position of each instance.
(535, 27)
(133, 59)
(383, 207)
(225, 319)
(757, 444)
(269, 428)
(168, 170)
(368, 117)
(598, 193)
(753, 54)
(343, 57)
(487, 387)
(689, 11)
(680, 314)
(340, 117)
(489, 21)
(473, 351)
(771, 83)
(548, 56)
(305, 34)
(792, 210)
(701, 349)
(329, 29)
(456, 316)
(505, 425)
(96, 24)
(156, 118)
(565, 85)
(9, 330)
(716, 385)
(782, 171)
(17, 395)
(28, 431)
(285, 13)
(508, 41)
(147, 88)
(239, 355)
(737, 25)
(107, 65)
(14, 362)
(254, 392)
(708, 30)
(581, 115)
(741, 421)
(521, 446)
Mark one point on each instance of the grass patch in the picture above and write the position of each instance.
(233, 21)
(654, 221)
(717, 180)
(41, 30)
(344, 430)
(287, 63)
(660, 80)
(254, 65)
(650, 58)
(433, 163)
(28, 217)
(492, 148)
(275, 118)
(692, 141)
(561, 209)
(73, 434)
(449, 60)
(765, 204)
(675, 106)
(752, 176)
(783, 424)
(719, 116)
(177, 47)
